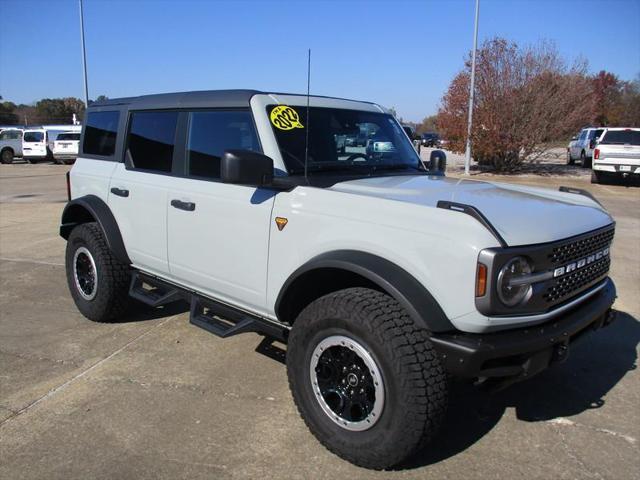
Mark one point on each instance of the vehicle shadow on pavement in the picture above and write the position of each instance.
(139, 312)
(596, 364)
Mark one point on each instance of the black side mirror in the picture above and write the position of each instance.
(592, 143)
(246, 168)
(437, 162)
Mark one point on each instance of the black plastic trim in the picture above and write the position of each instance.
(579, 191)
(389, 277)
(75, 213)
(475, 213)
(480, 355)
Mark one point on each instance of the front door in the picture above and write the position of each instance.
(218, 234)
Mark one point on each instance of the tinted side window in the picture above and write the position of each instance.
(11, 135)
(211, 133)
(152, 139)
(100, 133)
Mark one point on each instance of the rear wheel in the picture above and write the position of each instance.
(596, 177)
(570, 160)
(365, 378)
(6, 156)
(99, 283)
(584, 160)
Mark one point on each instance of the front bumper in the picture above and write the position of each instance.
(516, 354)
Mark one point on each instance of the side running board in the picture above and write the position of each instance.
(225, 321)
(213, 316)
(152, 291)
(475, 213)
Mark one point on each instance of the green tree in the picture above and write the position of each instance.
(59, 110)
(7, 113)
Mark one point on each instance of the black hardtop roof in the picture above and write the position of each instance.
(197, 99)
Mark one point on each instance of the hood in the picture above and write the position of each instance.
(522, 215)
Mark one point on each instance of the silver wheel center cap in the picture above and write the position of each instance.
(352, 379)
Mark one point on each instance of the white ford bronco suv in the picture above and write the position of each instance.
(383, 277)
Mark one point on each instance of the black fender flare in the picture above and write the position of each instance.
(389, 277)
(91, 208)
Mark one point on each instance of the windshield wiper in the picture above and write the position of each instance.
(399, 166)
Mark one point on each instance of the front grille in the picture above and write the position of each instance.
(581, 248)
(565, 286)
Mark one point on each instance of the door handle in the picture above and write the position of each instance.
(180, 205)
(121, 192)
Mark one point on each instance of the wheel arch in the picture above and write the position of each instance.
(91, 208)
(333, 271)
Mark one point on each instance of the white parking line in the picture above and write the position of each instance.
(57, 389)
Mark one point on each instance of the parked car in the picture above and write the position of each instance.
(10, 144)
(582, 145)
(409, 131)
(384, 277)
(617, 154)
(430, 139)
(65, 147)
(38, 142)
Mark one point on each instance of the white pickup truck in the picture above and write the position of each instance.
(381, 275)
(617, 154)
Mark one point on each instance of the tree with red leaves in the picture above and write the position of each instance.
(524, 98)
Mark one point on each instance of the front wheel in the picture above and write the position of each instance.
(7, 156)
(98, 282)
(365, 378)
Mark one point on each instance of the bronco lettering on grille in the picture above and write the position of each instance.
(578, 264)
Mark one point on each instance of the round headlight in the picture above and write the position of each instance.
(508, 293)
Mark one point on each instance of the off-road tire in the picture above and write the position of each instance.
(113, 277)
(6, 156)
(415, 383)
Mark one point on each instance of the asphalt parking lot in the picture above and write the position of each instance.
(154, 397)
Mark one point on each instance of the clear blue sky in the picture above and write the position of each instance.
(396, 53)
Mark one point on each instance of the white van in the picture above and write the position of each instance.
(37, 142)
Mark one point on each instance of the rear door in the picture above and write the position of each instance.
(139, 186)
(34, 143)
(219, 233)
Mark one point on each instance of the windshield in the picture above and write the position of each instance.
(621, 137)
(33, 136)
(68, 136)
(341, 140)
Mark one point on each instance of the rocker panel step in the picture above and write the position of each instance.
(160, 294)
(224, 321)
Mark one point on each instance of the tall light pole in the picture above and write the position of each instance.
(467, 157)
(84, 58)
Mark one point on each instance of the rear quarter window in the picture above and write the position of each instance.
(100, 133)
